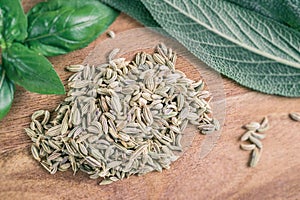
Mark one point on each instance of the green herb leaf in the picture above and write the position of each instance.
(30, 70)
(251, 49)
(283, 11)
(7, 90)
(2, 43)
(135, 9)
(13, 20)
(57, 27)
(53, 5)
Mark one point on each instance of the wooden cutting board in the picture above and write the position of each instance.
(222, 174)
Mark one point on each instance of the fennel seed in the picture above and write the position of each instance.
(122, 118)
(295, 116)
(254, 136)
(111, 34)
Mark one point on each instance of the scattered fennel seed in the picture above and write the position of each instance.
(253, 136)
(111, 34)
(295, 116)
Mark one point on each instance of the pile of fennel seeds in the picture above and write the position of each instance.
(121, 118)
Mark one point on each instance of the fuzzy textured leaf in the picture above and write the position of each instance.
(58, 27)
(7, 90)
(135, 9)
(30, 70)
(13, 20)
(283, 11)
(251, 49)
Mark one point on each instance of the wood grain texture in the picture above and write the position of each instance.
(223, 174)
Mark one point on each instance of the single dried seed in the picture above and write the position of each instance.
(264, 125)
(37, 114)
(92, 161)
(46, 117)
(53, 145)
(83, 150)
(295, 116)
(30, 132)
(65, 125)
(32, 126)
(38, 126)
(64, 167)
(75, 68)
(253, 126)
(113, 53)
(54, 131)
(255, 157)
(35, 152)
(111, 34)
(76, 120)
(161, 52)
(246, 136)
(258, 136)
(106, 182)
(46, 167)
(248, 147)
(256, 141)
(53, 156)
(159, 59)
(70, 150)
(45, 147)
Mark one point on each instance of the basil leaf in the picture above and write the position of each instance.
(30, 70)
(13, 20)
(251, 49)
(7, 90)
(283, 11)
(55, 30)
(53, 5)
(2, 43)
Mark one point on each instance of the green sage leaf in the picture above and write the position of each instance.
(135, 9)
(58, 27)
(283, 11)
(251, 49)
(14, 22)
(31, 70)
(7, 90)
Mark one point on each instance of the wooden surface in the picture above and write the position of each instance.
(223, 174)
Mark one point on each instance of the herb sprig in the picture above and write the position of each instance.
(50, 28)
